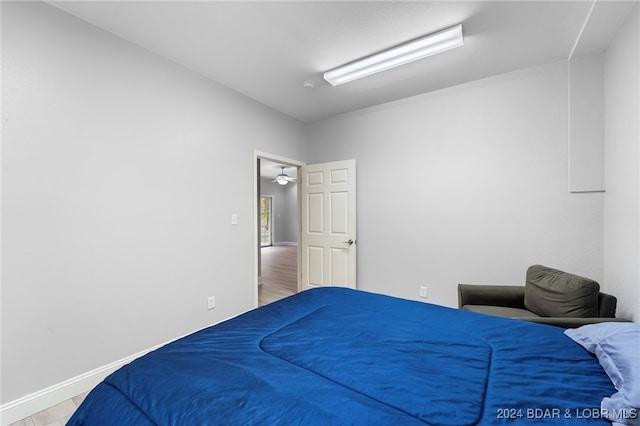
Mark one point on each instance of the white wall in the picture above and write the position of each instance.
(622, 199)
(468, 184)
(115, 217)
(586, 121)
(289, 217)
(285, 209)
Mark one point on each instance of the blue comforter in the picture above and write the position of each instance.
(339, 356)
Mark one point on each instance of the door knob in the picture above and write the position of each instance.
(349, 241)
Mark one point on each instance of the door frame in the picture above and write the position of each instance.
(256, 212)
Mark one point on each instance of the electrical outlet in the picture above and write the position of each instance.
(211, 302)
(423, 292)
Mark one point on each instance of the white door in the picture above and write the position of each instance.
(328, 239)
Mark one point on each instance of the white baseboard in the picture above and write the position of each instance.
(31, 404)
(286, 243)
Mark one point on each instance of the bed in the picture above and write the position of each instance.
(340, 356)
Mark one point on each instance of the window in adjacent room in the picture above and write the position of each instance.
(266, 221)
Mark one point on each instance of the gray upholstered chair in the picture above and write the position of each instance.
(549, 296)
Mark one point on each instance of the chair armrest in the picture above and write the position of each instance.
(607, 305)
(570, 322)
(511, 296)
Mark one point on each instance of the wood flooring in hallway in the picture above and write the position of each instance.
(279, 273)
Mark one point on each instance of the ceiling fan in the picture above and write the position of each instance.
(283, 178)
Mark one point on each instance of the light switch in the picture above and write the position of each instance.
(234, 219)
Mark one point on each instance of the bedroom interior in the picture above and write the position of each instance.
(518, 148)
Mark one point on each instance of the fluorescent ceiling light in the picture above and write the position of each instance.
(399, 55)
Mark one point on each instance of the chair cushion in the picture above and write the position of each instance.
(552, 293)
(500, 311)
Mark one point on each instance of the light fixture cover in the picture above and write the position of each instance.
(282, 180)
(419, 48)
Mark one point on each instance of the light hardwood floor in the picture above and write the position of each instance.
(279, 271)
(58, 415)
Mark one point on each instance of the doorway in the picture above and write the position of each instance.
(326, 240)
(277, 230)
